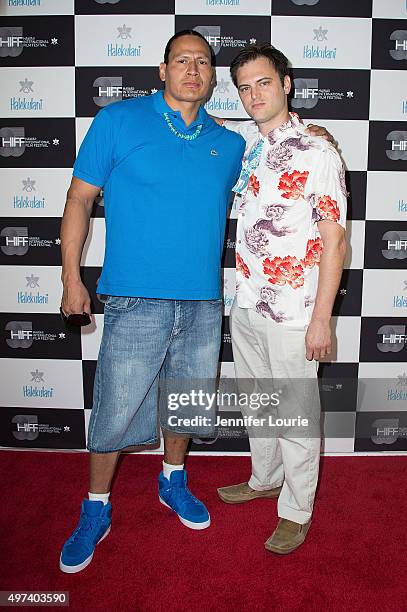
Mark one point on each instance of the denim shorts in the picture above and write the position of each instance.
(145, 341)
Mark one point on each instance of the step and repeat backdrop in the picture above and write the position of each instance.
(61, 61)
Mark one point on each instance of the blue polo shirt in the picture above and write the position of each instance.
(165, 198)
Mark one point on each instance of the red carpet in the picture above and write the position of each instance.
(354, 557)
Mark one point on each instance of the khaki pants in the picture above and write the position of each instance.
(267, 353)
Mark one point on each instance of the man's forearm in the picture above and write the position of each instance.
(74, 230)
(330, 273)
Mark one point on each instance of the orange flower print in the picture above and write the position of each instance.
(313, 253)
(284, 270)
(328, 208)
(241, 266)
(293, 184)
(254, 185)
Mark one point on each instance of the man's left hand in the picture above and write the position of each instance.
(317, 130)
(318, 340)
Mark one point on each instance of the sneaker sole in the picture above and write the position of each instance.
(185, 521)
(73, 569)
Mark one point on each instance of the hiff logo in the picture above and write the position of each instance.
(11, 42)
(386, 431)
(212, 35)
(110, 89)
(305, 93)
(392, 338)
(26, 426)
(306, 2)
(21, 334)
(396, 245)
(400, 50)
(398, 141)
(14, 240)
(12, 141)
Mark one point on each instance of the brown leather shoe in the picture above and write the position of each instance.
(287, 537)
(240, 493)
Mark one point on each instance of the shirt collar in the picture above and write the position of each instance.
(162, 107)
(281, 131)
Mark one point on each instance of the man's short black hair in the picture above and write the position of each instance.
(252, 52)
(187, 33)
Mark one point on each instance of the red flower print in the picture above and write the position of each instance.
(293, 184)
(328, 208)
(254, 185)
(241, 266)
(313, 253)
(284, 270)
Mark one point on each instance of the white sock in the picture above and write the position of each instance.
(168, 468)
(103, 497)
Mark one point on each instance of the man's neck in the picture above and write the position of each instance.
(274, 123)
(188, 110)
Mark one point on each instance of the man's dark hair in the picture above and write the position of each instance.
(187, 33)
(252, 52)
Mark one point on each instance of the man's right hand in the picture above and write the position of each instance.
(75, 298)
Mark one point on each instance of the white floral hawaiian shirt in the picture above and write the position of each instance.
(290, 180)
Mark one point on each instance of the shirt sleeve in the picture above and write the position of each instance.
(325, 188)
(95, 157)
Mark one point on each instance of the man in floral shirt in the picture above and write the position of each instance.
(290, 249)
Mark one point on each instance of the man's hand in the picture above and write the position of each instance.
(75, 298)
(318, 340)
(317, 130)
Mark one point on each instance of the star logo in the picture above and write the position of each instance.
(54, 41)
(28, 184)
(32, 281)
(55, 142)
(26, 86)
(37, 376)
(349, 94)
(320, 35)
(402, 380)
(222, 86)
(342, 291)
(154, 90)
(253, 41)
(338, 386)
(57, 241)
(66, 428)
(62, 335)
(124, 32)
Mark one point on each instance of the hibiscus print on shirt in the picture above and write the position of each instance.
(241, 266)
(293, 184)
(313, 254)
(286, 270)
(328, 208)
(254, 185)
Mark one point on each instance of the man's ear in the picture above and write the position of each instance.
(287, 84)
(162, 69)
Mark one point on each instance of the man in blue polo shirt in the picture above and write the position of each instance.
(167, 170)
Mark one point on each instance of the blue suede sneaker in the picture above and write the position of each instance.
(175, 494)
(94, 525)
